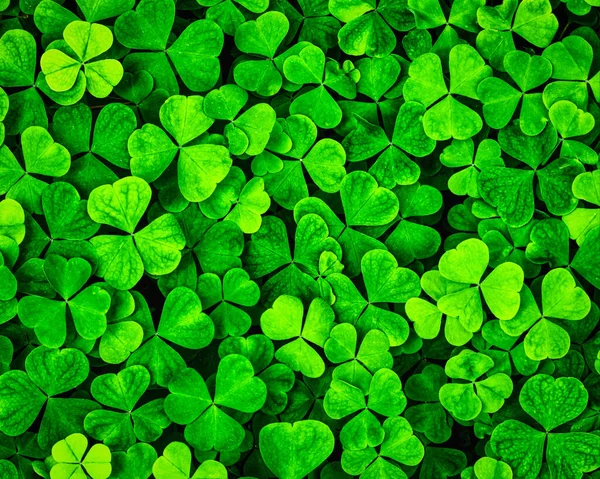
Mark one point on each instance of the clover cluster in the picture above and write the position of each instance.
(299, 238)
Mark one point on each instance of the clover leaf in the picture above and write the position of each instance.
(551, 403)
(284, 321)
(367, 29)
(467, 400)
(426, 84)
(71, 459)
(48, 373)
(62, 72)
(122, 391)
(155, 248)
(87, 307)
(193, 54)
(561, 299)
(228, 295)
(207, 425)
(41, 156)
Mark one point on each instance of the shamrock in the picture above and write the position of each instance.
(367, 29)
(415, 201)
(379, 81)
(283, 321)
(207, 425)
(236, 289)
(461, 153)
(72, 460)
(368, 140)
(309, 67)
(466, 264)
(138, 89)
(247, 133)
(87, 307)
(385, 397)
(430, 14)
(199, 167)
(508, 244)
(354, 367)
(72, 127)
(323, 161)
(318, 26)
(86, 41)
(399, 444)
(571, 61)
(511, 190)
(193, 54)
(249, 201)
(561, 299)
(532, 20)
(430, 417)
(155, 248)
(467, 400)
(428, 318)
(447, 118)
(365, 204)
(552, 403)
(122, 391)
(385, 282)
(501, 100)
(48, 373)
(261, 38)
(41, 156)
(313, 443)
(269, 250)
(176, 462)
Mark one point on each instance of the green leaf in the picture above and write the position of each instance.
(519, 445)
(535, 22)
(263, 35)
(42, 155)
(385, 281)
(121, 204)
(365, 203)
(18, 55)
(509, 190)
(183, 322)
(123, 390)
(194, 55)
(237, 387)
(562, 298)
(148, 26)
(451, 119)
(570, 121)
(292, 451)
(553, 402)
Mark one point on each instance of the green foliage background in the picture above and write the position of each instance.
(299, 238)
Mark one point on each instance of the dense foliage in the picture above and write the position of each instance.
(290, 238)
